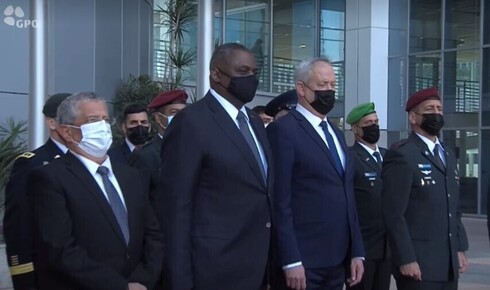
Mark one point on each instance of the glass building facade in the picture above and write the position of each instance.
(441, 43)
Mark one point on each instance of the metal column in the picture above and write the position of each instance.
(205, 45)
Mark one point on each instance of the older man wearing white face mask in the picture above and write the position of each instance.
(83, 205)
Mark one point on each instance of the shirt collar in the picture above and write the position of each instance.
(429, 142)
(368, 149)
(131, 146)
(229, 108)
(60, 145)
(314, 120)
(93, 166)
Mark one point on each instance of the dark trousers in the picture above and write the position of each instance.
(377, 276)
(409, 284)
(331, 278)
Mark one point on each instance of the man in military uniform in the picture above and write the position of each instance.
(367, 185)
(421, 202)
(17, 214)
(163, 108)
(282, 104)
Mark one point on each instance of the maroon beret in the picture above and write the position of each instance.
(167, 98)
(421, 96)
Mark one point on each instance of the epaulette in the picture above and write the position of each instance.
(399, 144)
(27, 155)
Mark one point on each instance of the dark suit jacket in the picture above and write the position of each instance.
(78, 240)
(17, 215)
(367, 188)
(120, 153)
(421, 210)
(217, 210)
(147, 161)
(314, 207)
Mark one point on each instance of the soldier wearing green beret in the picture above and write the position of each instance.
(368, 158)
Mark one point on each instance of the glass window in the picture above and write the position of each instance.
(425, 25)
(332, 39)
(464, 143)
(248, 23)
(461, 88)
(424, 72)
(485, 172)
(462, 24)
(398, 26)
(397, 88)
(486, 87)
(294, 40)
(486, 23)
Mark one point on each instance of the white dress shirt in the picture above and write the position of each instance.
(92, 168)
(233, 112)
(62, 146)
(432, 145)
(131, 146)
(371, 151)
(315, 122)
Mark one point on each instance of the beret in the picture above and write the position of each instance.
(360, 111)
(421, 96)
(52, 103)
(285, 101)
(166, 98)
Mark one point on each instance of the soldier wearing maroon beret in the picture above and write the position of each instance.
(420, 202)
(163, 108)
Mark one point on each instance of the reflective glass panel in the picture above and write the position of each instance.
(485, 103)
(464, 143)
(461, 88)
(462, 24)
(424, 72)
(425, 25)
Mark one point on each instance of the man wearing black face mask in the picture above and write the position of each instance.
(367, 183)
(136, 128)
(216, 183)
(318, 235)
(421, 202)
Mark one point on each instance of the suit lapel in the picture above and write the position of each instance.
(230, 129)
(303, 122)
(54, 150)
(366, 158)
(79, 170)
(425, 151)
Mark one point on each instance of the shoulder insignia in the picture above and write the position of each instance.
(399, 144)
(27, 155)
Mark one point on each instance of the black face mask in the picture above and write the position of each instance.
(432, 123)
(370, 133)
(324, 100)
(138, 135)
(242, 88)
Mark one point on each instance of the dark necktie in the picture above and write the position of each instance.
(437, 157)
(332, 148)
(243, 124)
(377, 156)
(115, 202)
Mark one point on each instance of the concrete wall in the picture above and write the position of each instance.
(93, 45)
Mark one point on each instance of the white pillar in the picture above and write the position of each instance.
(38, 72)
(205, 45)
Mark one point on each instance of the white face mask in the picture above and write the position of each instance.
(96, 138)
(169, 119)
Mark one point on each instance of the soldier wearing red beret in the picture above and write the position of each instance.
(163, 108)
(420, 202)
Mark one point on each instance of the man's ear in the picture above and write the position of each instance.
(215, 75)
(300, 89)
(411, 118)
(123, 128)
(51, 123)
(66, 134)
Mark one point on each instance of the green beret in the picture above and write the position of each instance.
(360, 111)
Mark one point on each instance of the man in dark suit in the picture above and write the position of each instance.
(216, 183)
(93, 225)
(163, 108)
(368, 158)
(17, 215)
(421, 202)
(135, 127)
(282, 104)
(318, 234)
